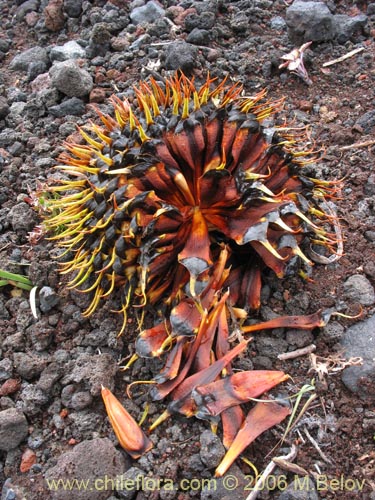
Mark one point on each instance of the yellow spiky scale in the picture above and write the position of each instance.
(101, 134)
(142, 134)
(92, 142)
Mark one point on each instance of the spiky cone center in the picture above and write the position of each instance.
(168, 180)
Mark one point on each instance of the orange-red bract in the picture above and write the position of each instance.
(129, 434)
(261, 418)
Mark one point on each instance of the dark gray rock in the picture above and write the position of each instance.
(294, 490)
(49, 376)
(22, 218)
(116, 19)
(6, 369)
(25, 8)
(13, 428)
(36, 68)
(93, 459)
(16, 149)
(359, 289)
(69, 107)
(16, 113)
(92, 371)
(212, 449)
(4, 313)
(67, 394)
(239, 22)
(299, 338)
(82, 424)
(358, 340)
(76, 399)
(70, 79)
(270, 346)
(7, 137)
(369, 190)
(181, 55)
(32, 400)
(22, 62)
(70, 50)
(332, 332)
(262, 363)
(198, 37)
(367, 121)
(4, 46)
(15, 94)
(35, 108)
(309, 21)
(40, 334)
(132, 476)
(203, 21)
(73, 7)
(81, 400)
(16, 342)
(347, 27)
(278, 23)
(4, 107)
(97, 337)
(12, 491)
(370, 235)
(146, 13)
(159, 28)
(99, 41)
(48, 299)
(371, 9)
(23, 316)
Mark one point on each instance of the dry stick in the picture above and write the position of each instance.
(259, 485)
(316, 446)
(290, 466)
(357, 145)
(298, 352)
(342, 58)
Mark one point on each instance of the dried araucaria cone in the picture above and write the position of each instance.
(179, 171)
(179, 200)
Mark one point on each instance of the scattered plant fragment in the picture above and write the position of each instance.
(334, 363)
(261, 418)
(22, 282)
(17, 280)
(294, 63)
(179, 201)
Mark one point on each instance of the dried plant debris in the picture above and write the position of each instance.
(334, 363)
(294, 62)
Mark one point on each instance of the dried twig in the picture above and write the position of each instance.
(316, 446)
(342, 58)
(298, 352)
(259, 485)
(290, 466)
(363, 144)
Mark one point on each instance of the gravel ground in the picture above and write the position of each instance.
(58, 59)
